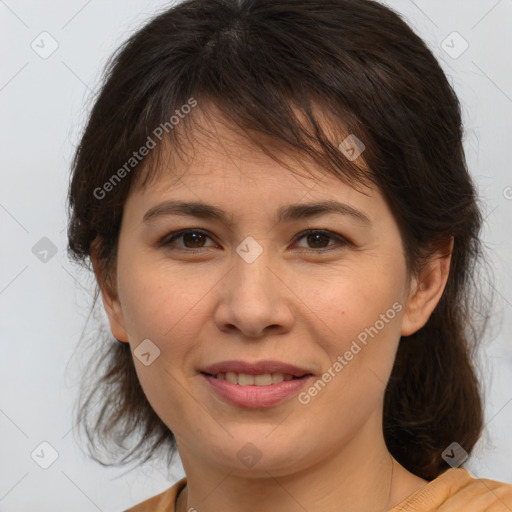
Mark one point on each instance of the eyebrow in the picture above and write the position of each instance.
(284, 214)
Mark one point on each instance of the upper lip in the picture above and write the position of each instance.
(255, 368)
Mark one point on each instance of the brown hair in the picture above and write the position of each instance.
(256, 59)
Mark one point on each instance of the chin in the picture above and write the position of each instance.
(257, 457)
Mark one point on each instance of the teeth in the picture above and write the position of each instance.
(244, 379)
(231, 377)
(263, 380)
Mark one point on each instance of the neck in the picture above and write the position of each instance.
(359, 477)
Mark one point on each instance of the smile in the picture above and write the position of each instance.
(244, 379)
(255, 391)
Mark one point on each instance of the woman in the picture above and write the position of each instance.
(276, 205)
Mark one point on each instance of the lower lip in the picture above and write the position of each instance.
(256, 396)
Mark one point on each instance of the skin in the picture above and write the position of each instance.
(294, 303)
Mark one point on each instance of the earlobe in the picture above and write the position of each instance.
(426, 291)
(110, 301)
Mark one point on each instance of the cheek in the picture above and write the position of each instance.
(363, 313)
(159, 306)
(159, 300)
(360, 356)
(353, 302)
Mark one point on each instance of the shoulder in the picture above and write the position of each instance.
(457, 489)
(163, 502)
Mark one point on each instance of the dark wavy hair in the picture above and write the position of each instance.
(266, 64)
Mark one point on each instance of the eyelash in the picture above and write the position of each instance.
(171, 237)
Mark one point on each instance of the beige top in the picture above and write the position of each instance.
(166, 501)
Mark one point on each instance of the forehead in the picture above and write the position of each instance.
(213, 153)
(226, 176)
(245, 175)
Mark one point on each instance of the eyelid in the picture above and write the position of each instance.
(176, 235)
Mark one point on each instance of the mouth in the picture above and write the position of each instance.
(263, 379)
(255, 385)
(259, 373)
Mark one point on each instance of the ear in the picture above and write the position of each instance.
(426, 290)
(110, 299)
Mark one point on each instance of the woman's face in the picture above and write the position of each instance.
(255, 286)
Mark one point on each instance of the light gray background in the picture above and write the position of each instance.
(43, 306)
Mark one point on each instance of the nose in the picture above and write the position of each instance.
(255, 299)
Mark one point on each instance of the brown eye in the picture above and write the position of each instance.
(195, 239)
(192, 239)
(319, 239)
